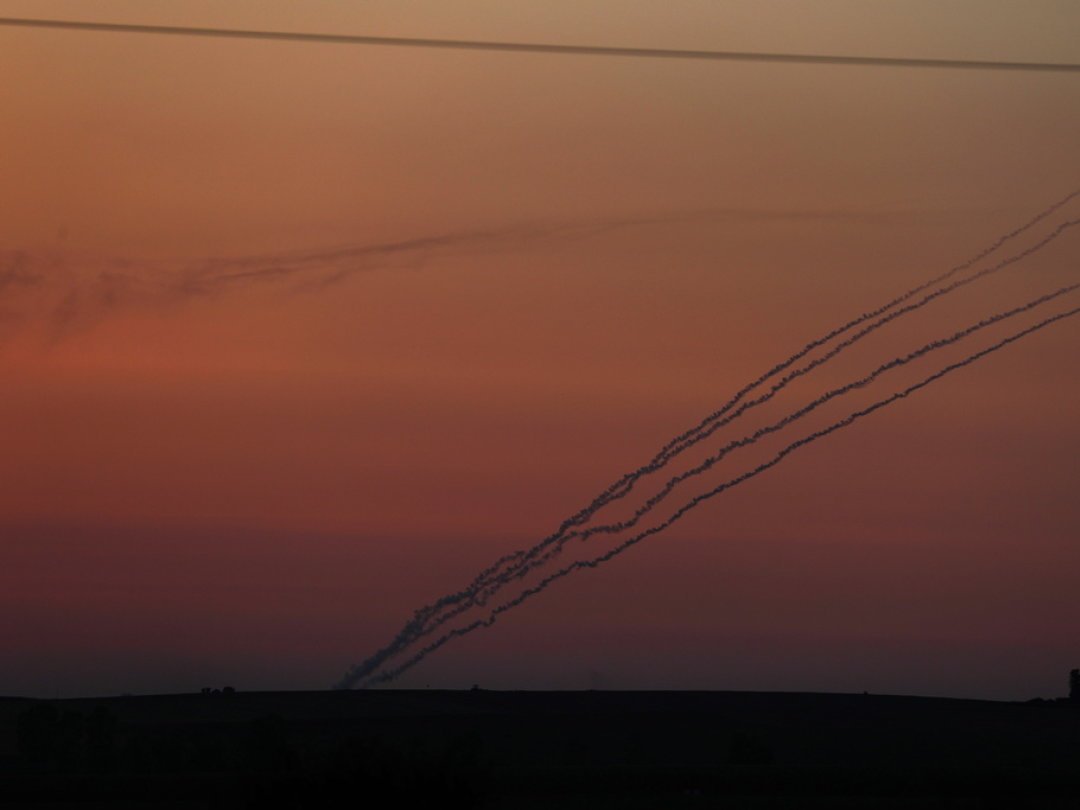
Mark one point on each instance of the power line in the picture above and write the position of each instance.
(542, 48)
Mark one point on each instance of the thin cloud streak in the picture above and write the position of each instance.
(15, 271)
(210, 274)
(85, 289)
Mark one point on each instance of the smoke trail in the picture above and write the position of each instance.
(15, 270)
(493, 586)
(415, 627)
(686, 439)
(210, 275)
(699, 499)
(84, 297)
(213, 274)
(705, 433)
(707, 464)
(680, 442)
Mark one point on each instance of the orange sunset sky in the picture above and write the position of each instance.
(296, 337)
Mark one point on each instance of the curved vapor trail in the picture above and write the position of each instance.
(532, 561)
(519, 572)
(800, 372)
(307, 270)
(686, 439)
(707, 464)
(211, 274)
(701, 498)
(416, 626)
(208, 275)
(708, 425)
(217, 273)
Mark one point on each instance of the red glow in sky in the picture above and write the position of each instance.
(296, 338)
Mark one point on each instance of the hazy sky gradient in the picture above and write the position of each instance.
(257, 482)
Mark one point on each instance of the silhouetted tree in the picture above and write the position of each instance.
(1074, 685)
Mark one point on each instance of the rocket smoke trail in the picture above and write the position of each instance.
(428, 618)
(746, 441)
(518, 572)
(531, 561)
(699, 499)
(688, 438)
(787, 379)
(416, 626)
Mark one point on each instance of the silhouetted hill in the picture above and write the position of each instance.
(539, 749)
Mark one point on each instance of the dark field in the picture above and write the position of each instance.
(539, 749)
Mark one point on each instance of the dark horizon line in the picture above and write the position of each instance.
(542, 48)
(237, 693)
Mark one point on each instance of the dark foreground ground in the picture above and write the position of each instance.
(538, 749)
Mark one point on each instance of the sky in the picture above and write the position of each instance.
(296, 338)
